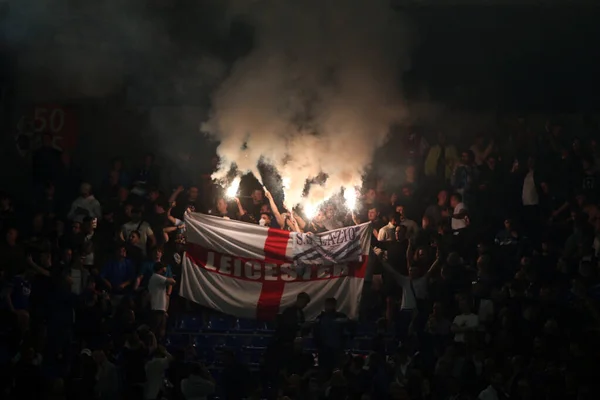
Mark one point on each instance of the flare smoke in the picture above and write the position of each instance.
(317, 94)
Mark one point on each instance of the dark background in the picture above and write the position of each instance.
(496, 61)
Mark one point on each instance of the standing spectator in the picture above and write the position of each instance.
(414, 293)
(85, 205)
(438, 213)
(107, 377)
(440, 160)
(136, 223)
(159, 298)
(199, 385)
(119, 172)
(480, 150)
(155, 373)
(118, 275)
(189, 200)
(329, 332)
(465, 323)
(146, 176)
(388, 232)
(459, 212)
(147, 270)
(465, 175)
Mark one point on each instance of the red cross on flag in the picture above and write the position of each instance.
(250, 271)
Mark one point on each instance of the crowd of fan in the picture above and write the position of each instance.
(485, 281)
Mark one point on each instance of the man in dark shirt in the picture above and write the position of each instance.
(291, 321)
(329, 333)
(184, 201)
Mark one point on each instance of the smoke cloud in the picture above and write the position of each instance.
(155, 51)
(316, 95)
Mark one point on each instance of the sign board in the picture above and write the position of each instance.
(59, 121)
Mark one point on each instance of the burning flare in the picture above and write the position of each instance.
(232, 190)
(310, 210)
(350, 196)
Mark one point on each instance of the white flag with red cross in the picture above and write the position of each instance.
(250, 271)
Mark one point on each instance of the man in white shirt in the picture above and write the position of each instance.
(530, 196)
(85, 205)
(465, 322)
(414, 291)
(459, 215)
(199, 385)
(155, 373)
(388, 232)
(411, 226)
(159, 299)
(143, 227)
(495, 390)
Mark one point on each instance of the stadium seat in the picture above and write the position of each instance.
(254, 357)
(268, 326)
(220, 324)
(249, 325)
(210, 341)
(233, 341)
(207, 356)
(175, 340)
(245, 340)
(190, 324)
(260, 341)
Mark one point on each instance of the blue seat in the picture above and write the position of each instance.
(175, 340)
(234, 342)
(268, 326)
(249, 325)
(207, 356)
(254, 357)
(211, 341)
(245, 340)
(221, 324)
(189, 323)
(259, 341)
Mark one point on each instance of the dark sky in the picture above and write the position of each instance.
(510, 57)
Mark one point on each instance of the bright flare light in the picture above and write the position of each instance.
(232, 190)
(350, 196)
(285, 182)
(310, 210)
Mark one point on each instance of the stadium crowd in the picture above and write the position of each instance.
(484, 285)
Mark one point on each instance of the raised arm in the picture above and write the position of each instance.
(409, 254)
(175, 194)
(293, 222)
(240, 208)
(435, 262)
(300, 221)
(276, 213)
(488, 149)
